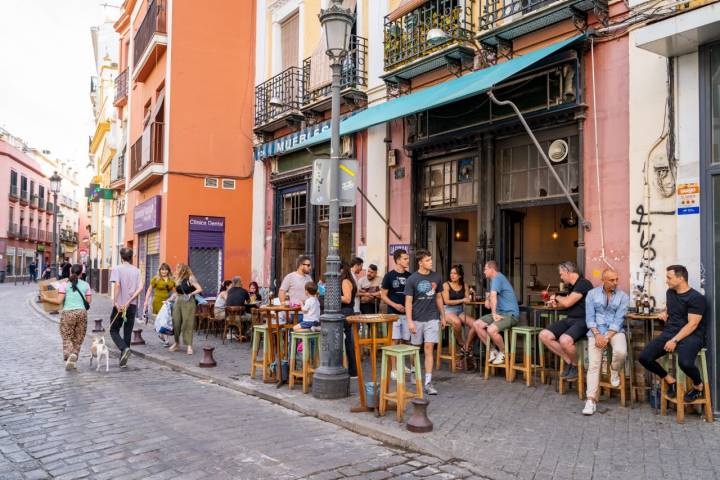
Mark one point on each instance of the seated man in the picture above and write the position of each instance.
(561, 336)
(684, 331)
(605, 308)
(237, 296)
(504, 312)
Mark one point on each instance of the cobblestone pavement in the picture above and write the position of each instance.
(149, 422)
(502, 430)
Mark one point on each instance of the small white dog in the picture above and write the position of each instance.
(98, 350)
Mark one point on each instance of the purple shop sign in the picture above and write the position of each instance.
(146, 216)
(207, 224)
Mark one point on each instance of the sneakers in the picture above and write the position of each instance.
(493, 355)
(124, 357)
(70, 363)
(566, 370)
(430, 389)
(590, 407)
(499, 359)
(572, 373)
(173, 348)
(614, 378)
(693, 395)
(315, 329)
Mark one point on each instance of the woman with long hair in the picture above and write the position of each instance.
(254, 293)
(74, 296)
(348, 288)
(186, 287)
(455, 293)
(221, 301)
(161, 286)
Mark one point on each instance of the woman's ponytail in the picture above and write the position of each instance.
(75, 272)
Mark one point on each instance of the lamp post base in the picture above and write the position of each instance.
(331, 379)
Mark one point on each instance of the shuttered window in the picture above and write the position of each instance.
(290, 41)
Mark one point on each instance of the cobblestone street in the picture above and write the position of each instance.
(149, 422)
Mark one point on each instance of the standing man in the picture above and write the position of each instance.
(32, 270)
(605, 309)
(392, 293)
(424, 311)
(369, 290)
(504, 311)
(684, 331)
(356, 265)
(561, 336)
(293, 285)
(127, 286)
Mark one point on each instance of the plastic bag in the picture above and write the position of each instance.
(163, 320)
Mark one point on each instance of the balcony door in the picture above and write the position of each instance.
(290, 41)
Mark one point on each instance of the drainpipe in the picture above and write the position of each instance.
(581, 190)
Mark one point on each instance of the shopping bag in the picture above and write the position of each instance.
(163, 320)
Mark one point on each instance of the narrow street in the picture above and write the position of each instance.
(149, 422)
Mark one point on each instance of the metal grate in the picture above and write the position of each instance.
(501, 12)
(206, 264)
(353, 73)
(281, 94)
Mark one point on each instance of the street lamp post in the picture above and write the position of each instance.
(331, 379)
(55, 180)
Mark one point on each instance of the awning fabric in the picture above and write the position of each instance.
(441, 94)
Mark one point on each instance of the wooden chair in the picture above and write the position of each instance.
(506, 364)
(526, 366)
(684, 383)
(605, 385)
(233, 319)
(580, 380)
(452, 354)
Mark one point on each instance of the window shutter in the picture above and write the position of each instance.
(289, 38)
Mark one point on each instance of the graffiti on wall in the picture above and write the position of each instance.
(646, 238)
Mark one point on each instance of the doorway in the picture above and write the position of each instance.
(438, 244)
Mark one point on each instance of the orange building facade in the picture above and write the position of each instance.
(185, 102)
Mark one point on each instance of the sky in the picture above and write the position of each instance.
(45, 69)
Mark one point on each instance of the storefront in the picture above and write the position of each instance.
(206, 243)
(146, 225)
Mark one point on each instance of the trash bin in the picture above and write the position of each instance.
(370, 399)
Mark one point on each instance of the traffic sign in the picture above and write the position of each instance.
(320, 186)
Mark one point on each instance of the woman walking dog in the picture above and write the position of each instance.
(74, 296)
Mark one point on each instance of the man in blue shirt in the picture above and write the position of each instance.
(504, 311)
(605, 309)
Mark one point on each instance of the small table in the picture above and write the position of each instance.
(649, 321)
(275, 328)
(476, 305)
(373, 341)
(536, 311)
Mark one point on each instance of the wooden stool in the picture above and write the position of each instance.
(233, 319)
(605, 384)
(527, 366)
(506, 364)
(400, 395)
(684, 382)
(307, 370)
(264, 364)
(452, 356)
(580, 380)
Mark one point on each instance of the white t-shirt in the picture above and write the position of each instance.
(294, 286)
(311, 309)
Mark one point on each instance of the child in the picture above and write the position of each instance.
(310, 309)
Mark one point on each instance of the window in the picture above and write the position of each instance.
(293, 208)
(211, 182)
(324, 212)
(41, 191)
(449, 183)
(32, 187)
(13, 178)
(715, 103)
(289, 39)
(228, 184)
(23, 186)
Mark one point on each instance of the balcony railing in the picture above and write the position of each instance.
(154, 22)
(33, 233)
(353, 73)
(24, 231)
(24, 196)
(406, 37)
(119, 172)
(143, 155)
(13, 230)
(502, 11)
(281, 94)
(50, 207)
(121, 88)
(33, 201)
(41, 203)
(41, 235)
(13, 192)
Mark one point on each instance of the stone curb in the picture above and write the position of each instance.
(357, 426)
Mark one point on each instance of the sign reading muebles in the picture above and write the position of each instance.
(289, 142)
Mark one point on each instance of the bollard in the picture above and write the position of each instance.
(98, 326)
(137, 338)
(208, 361)
(419, 421)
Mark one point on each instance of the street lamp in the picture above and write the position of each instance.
(60, 218)
(331, 378)
(55, 180)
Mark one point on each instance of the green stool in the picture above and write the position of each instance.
(505, 365)
(452, 356)
(683, 382)
(400, 395)
(257, 332)
(580, 381)
(307, 370)
(527, 365)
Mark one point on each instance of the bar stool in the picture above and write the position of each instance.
(400, 395)
(580, 380)
(684, 382)
(527, 366)
(452, 355)
(605, 384)
(506, 364)
(258, 332)
(308, 350)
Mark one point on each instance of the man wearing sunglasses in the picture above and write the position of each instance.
(293, 285)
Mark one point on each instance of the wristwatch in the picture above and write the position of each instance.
(674, 340)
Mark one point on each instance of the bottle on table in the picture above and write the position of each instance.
(646, 305)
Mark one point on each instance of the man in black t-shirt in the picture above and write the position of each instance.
(561, 336)
(392, 293)
(684, 331)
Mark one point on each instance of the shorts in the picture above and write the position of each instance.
(309, 325)
(456, 309)
(503, 324)
(425, 332)
(573, 327)
(400, 329)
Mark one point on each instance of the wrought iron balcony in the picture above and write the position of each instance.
(33, 233)
(41, 236)
(353, 78)
(154, 23)
(117, 172)
(409, 47)
(121, 89)
(33, 201)
(278, 100)
(51, 207)
(13, 192)
(13, 230)
(41, 203)
(505, 20)
(142, 156)
(24, 197)
(24, 231)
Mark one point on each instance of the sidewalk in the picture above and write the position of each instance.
(501, 430)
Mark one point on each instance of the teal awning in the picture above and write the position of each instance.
(441, 94)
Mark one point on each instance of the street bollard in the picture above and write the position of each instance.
(419, 421)
(207, 361)
(137, 337)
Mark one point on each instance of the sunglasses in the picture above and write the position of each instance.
(306, 265)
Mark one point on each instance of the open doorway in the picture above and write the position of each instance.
(452, 239)
(534, 240)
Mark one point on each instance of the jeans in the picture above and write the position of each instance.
(123, 341)
(686, 349)
(619, 352)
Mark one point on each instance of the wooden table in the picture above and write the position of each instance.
(536, 310)
(373, 341)
(649, 321)
(476, 305)
(275, 329)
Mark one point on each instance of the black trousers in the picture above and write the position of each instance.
(686, 349)
(350, 347)
(368, 308)
(116, 325)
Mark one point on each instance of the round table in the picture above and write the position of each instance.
(648, 331)
(275, 328)
(373, 341)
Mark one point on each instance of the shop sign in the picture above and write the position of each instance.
(120, 206)
(207, 224)
(688, 197)
(146, 216)
(320, 186)
(289, 142)
(397, 246)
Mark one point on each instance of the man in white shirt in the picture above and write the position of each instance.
(293, 285)
(356, 265)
